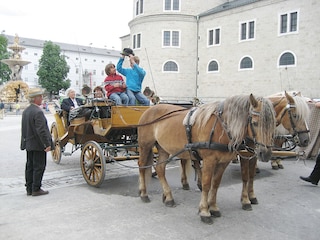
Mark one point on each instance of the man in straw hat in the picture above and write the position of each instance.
(36, 140)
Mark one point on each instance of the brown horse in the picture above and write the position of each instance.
(292, 113)
(212, 132)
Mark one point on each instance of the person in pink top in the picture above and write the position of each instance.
(115, 86)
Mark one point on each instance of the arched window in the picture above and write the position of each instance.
(246, 63)
(286, 59)
(213, 66)
(170, 66)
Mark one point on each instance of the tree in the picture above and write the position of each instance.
(53, 69)
(4, 54)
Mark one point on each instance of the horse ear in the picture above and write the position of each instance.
(253, 101)
(289, 98)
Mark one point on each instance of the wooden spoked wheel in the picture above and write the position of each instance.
(93, 163)
(56, 153)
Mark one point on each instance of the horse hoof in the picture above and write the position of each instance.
(215, 213)
(275, 167)
(145, 199)
(186, 187)
(280, 166)
(247, 207)
(257, 170)
(200, 187)
(254, 200)
(169, 203)
(207, 220)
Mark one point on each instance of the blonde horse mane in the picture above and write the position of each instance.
(235, 114)
(301, 102)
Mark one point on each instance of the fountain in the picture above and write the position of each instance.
(15, 89)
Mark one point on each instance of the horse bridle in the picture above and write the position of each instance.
(293, 126)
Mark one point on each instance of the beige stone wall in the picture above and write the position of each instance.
(266, 77)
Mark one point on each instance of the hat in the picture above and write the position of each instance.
(127, 52)
(35, 92)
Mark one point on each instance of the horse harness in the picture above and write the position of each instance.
(193, 147)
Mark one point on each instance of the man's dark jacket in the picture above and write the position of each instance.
(35, 134)
(67, 103)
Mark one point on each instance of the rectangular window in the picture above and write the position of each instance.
(243, 31)
(171, 5)
(139, 7)
(288, 22)
(171, 38)
(175, 38)
(217, 39)
(210, 37)
(251, 29)
(293, 22)
(284, 23)
(214, 37)
(247, 30)
(136, 41)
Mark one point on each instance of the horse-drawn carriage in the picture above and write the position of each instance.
(212, 134)
(108, 129)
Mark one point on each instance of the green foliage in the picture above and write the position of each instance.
(4, 54)
(53, 69)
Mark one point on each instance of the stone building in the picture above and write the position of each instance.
(218, 48)
(86, 63)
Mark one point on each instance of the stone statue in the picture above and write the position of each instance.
(16, 40)
(16, 75)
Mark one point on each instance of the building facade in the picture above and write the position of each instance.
(86, 63)
(214, 49)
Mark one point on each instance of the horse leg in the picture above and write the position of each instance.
(245, 201)
(185, 166)
(252, 171)
(145, 159)
(215, 183)
(184, 179)
(161, 169)
(207, 173)
(197, 166)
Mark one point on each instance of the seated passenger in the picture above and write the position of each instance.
(98, 92)
(71, 102)
(115, 86)
(134, 77)
(72, 106)
(102, 111)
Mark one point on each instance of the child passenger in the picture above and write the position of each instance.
(115, 86)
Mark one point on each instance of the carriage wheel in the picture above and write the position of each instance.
(93, 163)
(56, 153)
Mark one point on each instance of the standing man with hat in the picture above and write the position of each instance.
(36, 140)
(134, 77)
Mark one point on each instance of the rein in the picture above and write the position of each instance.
(165, 116)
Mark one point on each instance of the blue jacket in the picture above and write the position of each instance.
(134, 76)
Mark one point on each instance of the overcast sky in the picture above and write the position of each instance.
(97, 22)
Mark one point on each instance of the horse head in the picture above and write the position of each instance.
(261, 126)
(294, 119)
